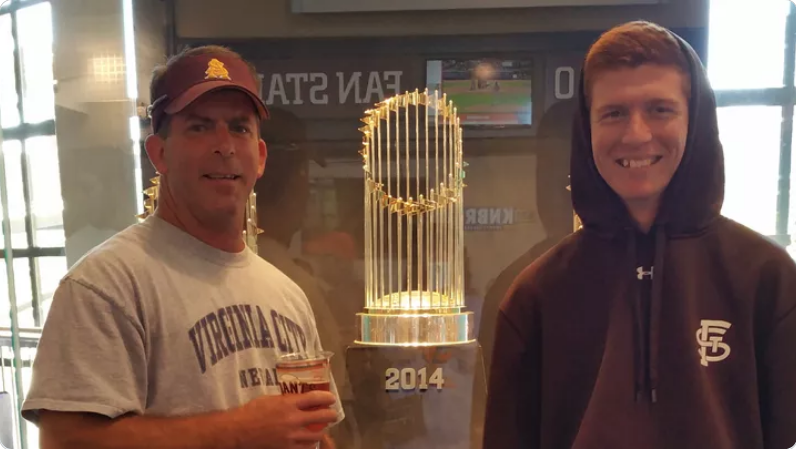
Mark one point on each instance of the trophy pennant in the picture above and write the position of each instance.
(250, 231)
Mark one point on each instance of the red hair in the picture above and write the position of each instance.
(631, 45)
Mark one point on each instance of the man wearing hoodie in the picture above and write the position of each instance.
(661, 323)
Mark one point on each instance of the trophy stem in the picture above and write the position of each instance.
(416, 100)
(460, 212)
(445, 214)
(389, 206)
(408, 196)
(428, 222)
(378, 213)
(451, 227)
(438, 211)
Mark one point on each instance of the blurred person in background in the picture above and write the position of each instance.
(283, 194)
(554, 210)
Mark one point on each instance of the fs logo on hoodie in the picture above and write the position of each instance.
(710, 338)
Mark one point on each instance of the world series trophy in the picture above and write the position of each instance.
(576, 223)
(415, 369)
(250, 230)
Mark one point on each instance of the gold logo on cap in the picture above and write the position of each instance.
(216, 70)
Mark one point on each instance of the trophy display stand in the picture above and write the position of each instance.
(416, 372)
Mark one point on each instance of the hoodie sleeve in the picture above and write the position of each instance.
(777, 363)
(513, 401)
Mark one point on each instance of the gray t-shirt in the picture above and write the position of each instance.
(155, 322)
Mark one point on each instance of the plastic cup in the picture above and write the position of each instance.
(302, 373)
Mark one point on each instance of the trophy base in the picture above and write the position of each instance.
(380, 327)
(416, 398)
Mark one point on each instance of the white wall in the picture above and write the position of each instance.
(273, 18)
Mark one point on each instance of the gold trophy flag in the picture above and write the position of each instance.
(250, 230)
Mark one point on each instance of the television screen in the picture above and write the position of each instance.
(493, 92)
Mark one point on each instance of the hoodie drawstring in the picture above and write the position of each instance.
(654, 317)
(655, 309)
(638, 328)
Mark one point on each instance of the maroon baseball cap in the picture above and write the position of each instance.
(191, 77)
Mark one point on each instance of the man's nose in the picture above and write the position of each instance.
(637, 131)
(224, 144)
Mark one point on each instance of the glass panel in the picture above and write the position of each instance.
(51, 270)
(45, 182)
(28, 354)
(23, 294)
(9, 114)
(3, 149)
(16, 198)
(8, 379)
(35, 46)
(750, 58)
(5, 302)
(752, 164)
(792, 210)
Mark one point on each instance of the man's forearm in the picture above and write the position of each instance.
(77, 431)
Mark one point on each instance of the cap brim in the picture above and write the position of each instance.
(196, 91)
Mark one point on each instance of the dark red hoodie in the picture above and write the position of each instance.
(595, 349)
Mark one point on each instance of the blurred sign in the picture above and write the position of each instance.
(335, 88)
(494, 218)
(336, 6)
(315, 87)
(562, 77)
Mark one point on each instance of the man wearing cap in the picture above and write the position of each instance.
(166, 335)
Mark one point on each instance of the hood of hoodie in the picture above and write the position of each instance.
(695, 194)
(607, 314)
(689, 204)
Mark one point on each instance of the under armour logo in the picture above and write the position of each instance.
(641, 273)
(709, 337)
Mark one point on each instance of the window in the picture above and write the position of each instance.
(35, 40)
(30, 160)
(46, 203)
(751, 164)
(9, 114)
(749, 57)
(752, 71)
(12, 150)
(31, 180)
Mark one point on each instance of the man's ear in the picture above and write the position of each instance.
(156, 149)
(263, 155)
